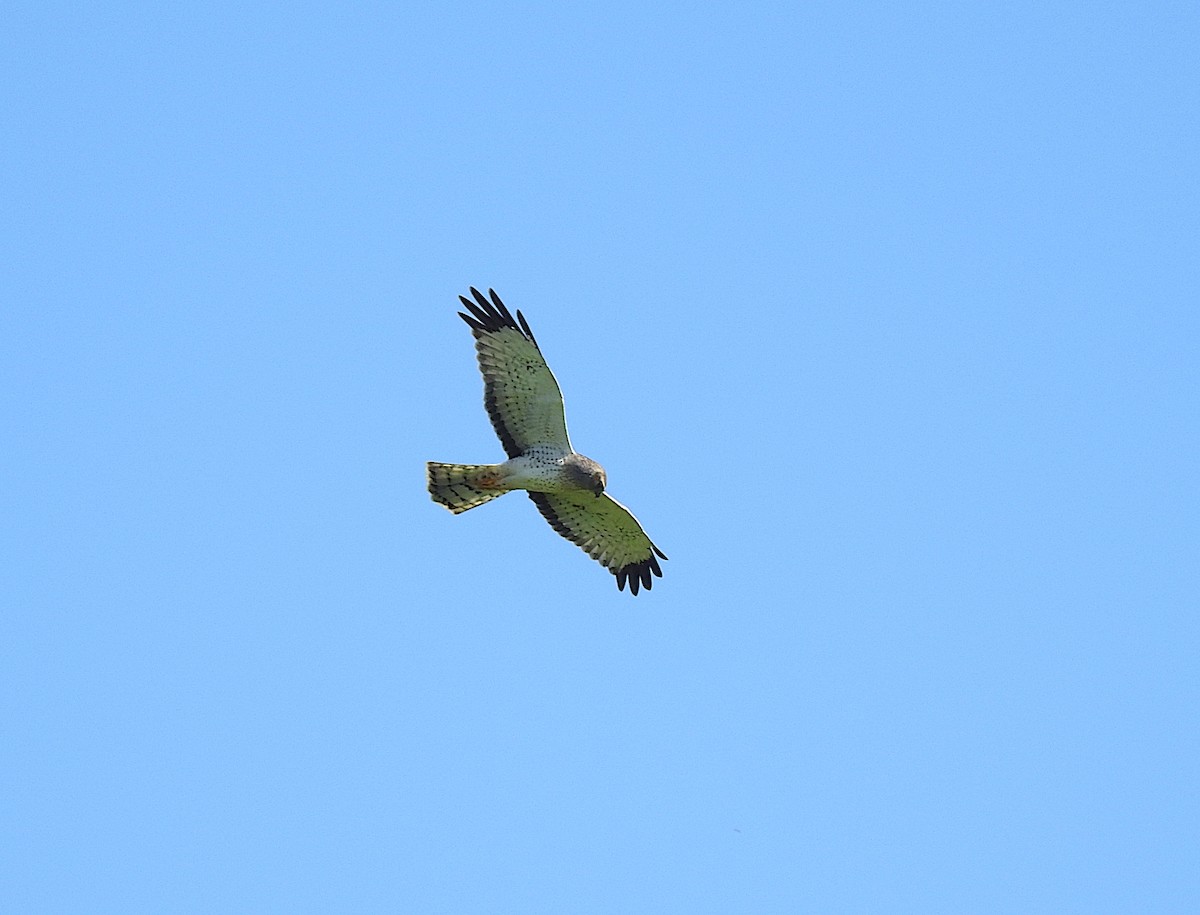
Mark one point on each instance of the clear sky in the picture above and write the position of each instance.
(882, 317)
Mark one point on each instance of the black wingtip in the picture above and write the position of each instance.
(498, 303)
(525, 327)
(472, 322)
(638, 575)
(489, 314)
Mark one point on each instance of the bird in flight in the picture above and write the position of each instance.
(525, 404)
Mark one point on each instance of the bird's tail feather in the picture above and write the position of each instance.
(462, 486)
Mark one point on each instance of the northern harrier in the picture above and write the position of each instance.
(526, 407)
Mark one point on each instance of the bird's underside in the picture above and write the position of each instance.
(525, 405)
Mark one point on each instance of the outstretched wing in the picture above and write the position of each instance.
(607, 531)
(519, 390)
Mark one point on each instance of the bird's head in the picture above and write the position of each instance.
(586, 474)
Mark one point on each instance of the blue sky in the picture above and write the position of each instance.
(881, 317)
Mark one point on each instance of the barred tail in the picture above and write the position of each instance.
(453, 485)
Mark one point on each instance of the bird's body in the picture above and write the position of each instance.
(525, 405)
(542, 468)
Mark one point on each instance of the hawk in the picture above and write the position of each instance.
(526, 407)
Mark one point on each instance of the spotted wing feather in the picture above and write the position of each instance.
(607, 531)
(519, 390)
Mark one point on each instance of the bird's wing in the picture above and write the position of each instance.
(607, 531)
(519, 390)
